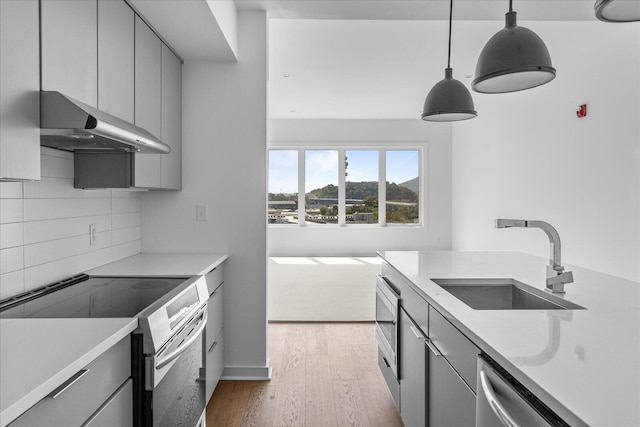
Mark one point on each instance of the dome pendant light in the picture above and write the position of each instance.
(617, 11)
(514, 59)
(449, 100)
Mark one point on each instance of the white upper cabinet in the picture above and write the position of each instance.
(171, 164)
(99, 52)
(116, 22)
(69, 40)
(19, 85)
(148, 110)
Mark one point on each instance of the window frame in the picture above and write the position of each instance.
(342, 148)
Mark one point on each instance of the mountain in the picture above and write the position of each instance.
(407, 191)
(412, 184)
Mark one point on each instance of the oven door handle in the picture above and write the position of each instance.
(183, 347)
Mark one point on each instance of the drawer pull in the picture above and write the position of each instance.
(215, 343)
(68, 383)
(416, 333)
(432, 347)
(386, 362)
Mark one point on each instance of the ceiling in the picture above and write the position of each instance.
(356, 58)
(374, 67)
(547, 10)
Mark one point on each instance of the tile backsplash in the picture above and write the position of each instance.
(44, 226)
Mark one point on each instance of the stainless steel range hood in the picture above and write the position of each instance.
(68, 124)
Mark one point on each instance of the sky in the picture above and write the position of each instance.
(322, 168)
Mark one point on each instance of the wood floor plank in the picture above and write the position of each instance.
(350, 409)
(261, 405)
(276, 343)
(317, 339)
(320, 408)
(290, 406)
(228, 403)
(341, 363)
(361, 332)
(293, 359)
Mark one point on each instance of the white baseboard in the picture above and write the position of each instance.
(247, 373)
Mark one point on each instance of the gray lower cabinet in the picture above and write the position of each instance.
(82, 397)
(19, 86)
(451, 402)
(413, 372)
(117, 411)
(452, 374)
(437, 364)
(214, 342)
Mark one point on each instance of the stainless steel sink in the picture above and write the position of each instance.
(503, 294)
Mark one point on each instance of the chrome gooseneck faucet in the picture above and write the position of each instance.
(556, 276)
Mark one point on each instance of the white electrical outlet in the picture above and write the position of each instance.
(202, 212)
(93, 234)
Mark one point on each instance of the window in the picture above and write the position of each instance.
(283, 187)
(342, 186)
(321, 186)
(362, 187)
(403, 187)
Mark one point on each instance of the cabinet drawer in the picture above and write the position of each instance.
(215, 315)
(82, 398)
(215, 364)
(390, 379)
(215, 278)
(416, 307)
(394, 277)
(118, 411)
(454, 346)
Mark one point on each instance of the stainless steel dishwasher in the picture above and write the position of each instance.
(503, 401)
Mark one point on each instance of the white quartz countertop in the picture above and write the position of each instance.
(162, 265)
(37, 355)
(584, 364)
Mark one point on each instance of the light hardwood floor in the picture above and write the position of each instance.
(324, 374)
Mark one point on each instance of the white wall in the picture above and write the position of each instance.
(528, 156)
(364, 241)
(323, 289)
(224, 166)
(44, 227)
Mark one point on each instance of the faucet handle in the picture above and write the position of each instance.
(556, 279)
(506, 223)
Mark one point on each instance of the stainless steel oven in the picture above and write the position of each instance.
(169, 373)
(387, 303)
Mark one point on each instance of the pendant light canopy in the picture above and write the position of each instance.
(617, 10)
(514, 59)
(449, 100)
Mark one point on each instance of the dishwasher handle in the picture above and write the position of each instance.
(494, 402)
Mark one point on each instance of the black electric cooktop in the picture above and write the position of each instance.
(90, 297)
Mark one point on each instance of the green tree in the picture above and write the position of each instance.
(371, 201)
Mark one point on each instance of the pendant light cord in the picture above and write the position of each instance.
(510, 5)
(450, 19)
